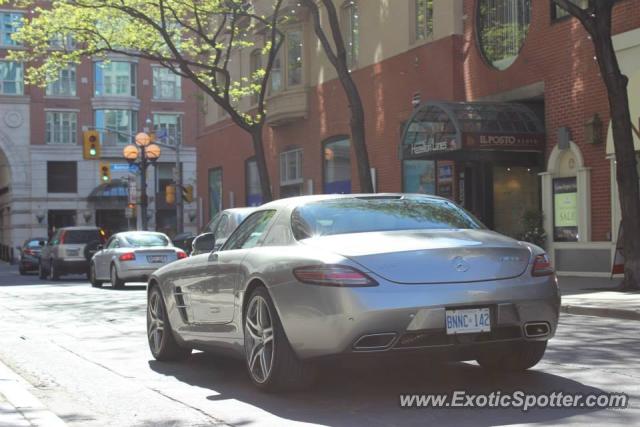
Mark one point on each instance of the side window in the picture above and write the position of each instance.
(279, 235)
(250, 231)
(113, 243)
(221, 229)
(55, 239)
(213, 223)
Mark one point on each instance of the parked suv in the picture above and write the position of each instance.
(66, 251)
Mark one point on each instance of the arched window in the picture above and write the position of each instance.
(502, 27)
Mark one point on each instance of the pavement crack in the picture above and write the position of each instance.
(195, 408)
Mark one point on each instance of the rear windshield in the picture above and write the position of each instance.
(34, 244)
(146, 240)
(82, 236)
(359, 215)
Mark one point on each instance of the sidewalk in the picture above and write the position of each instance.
(18, 407)
(595, 296)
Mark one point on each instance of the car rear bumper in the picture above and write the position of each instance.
(29, 263)
(137, 274)
(324, 321)
(71, 265)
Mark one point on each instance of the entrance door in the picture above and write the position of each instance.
(478, 189)
(516, 190)
(60, 218)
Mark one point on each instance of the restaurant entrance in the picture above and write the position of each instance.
(495, 151)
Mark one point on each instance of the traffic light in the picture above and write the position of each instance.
(90, 145)
(105, 172)
(187, 193)
(170, 194)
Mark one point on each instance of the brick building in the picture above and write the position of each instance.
(502, 103)
(44, 181)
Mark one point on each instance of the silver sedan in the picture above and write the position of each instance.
(131, 257)
(311, 277)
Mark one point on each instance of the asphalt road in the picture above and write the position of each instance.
(85, 351)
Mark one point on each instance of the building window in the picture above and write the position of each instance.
(166, 84)
(115, 78)
(215, 192)
(11, 82)
(558, 13)
(291, 179)
(255, 65)
(252, 179)
(423, 19)
(276, 74)
(294, 57)
(419, 176)
(62, 42)
(11, 22)
(168, 128)
(62, 177)
(65, 84)
(337, 167)
(351, 29)
(502, 28)
(121, 123)
(62, 127)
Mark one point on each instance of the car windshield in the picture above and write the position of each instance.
(360, 215)
(146, 240)
(82, 236)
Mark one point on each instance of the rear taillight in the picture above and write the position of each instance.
(29, 252)
(541, 266)
(129, 256)
(333, 275)
(62, 237)
(182, 254)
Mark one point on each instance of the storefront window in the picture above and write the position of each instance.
(215, 191)
(502, 27)
(337, 167)
(565, 209)
(419, 176)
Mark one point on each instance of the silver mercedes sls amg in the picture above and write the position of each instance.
(312, 277)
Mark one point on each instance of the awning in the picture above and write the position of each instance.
(110, 195)
(440, 129)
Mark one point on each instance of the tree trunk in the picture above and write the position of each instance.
(358, 134)
(626, 165)
(261, 162)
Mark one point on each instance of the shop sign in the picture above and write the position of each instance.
(565, 210)
(432, 146)
(501, 141)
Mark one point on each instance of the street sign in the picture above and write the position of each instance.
(119, 167)
(134, 169)
(161, 133)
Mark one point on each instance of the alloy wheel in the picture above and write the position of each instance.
(259, 348)
(155, 329)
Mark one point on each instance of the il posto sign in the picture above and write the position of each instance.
(487, 141)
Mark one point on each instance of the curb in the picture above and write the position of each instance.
(587, 310)
(16, 392)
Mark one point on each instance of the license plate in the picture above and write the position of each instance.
(73, 252)
(468, 321)
(156, 259)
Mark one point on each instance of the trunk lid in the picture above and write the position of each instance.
(431, 256)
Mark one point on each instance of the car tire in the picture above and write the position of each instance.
(116, 282)
(53, 272)
(42, 275)
(519, 356)
(92, 277)
(162, 342)
(285, 371)
(22, 271)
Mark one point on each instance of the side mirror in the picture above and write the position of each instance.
(203, 243)
(42, 243)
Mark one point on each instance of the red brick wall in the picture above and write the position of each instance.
(558, 54)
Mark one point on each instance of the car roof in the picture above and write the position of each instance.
(129, 233)
(293, 202)
(246, 210)
(79, 228)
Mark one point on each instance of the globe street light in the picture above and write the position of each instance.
(142, 154)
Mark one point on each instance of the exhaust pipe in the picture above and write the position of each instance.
(536, 329)
(374, 341)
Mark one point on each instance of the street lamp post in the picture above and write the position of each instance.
(143, 153)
